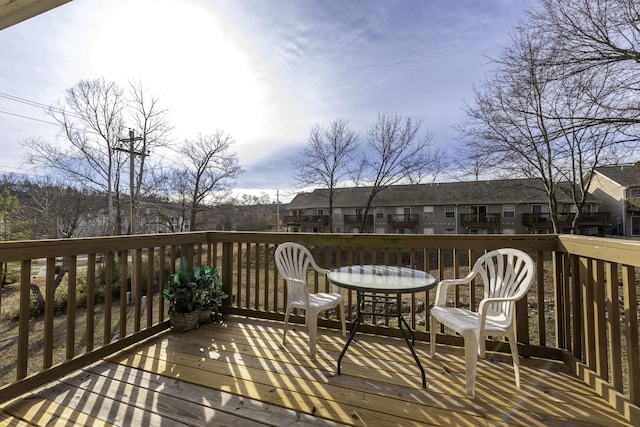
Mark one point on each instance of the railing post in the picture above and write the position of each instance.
(631, 328)
(560, 299)
(227, 271)
(23, 326)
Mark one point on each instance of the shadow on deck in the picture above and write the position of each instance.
(237, 373)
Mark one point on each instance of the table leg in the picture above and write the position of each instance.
(354, 327)
(411, 343)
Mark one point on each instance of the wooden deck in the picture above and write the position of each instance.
(237, 373)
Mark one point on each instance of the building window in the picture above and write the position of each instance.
(450, 211)
(509, 211)
(380, 230)
(428, 212)
(635, 225)
(634, 192)
(429, 230)
(449, 230)
(379, 213)
(508, 231)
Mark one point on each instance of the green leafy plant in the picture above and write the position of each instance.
(191, 290)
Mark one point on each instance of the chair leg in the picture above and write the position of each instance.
(286, 320)
(514, 354)
(432, 335)
(312, 325)
(482, 347)
(470, 362)
(343, 319)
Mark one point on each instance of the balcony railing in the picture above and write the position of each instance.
(480, 220)
(402, 220)
(311, 220)
(582, 309)
(543, 220)
(356, 220)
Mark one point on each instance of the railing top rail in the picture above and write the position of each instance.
(611, 250)
(32, 249)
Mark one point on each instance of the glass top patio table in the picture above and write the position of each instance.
(369, 282)
(381, 278)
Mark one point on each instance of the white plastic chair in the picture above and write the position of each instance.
(293, 260)
(507, 275)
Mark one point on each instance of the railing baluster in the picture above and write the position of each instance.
(23, 326)
(613, 320)
(150, 285)
(542, 326)
(91, 301)
(162, 279)
(600, 333)
(631, 328)
(124, 275)
(49, 305)
(136, 288)
(72, 276)
(108, 298)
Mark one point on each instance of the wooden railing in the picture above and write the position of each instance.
(582, 308)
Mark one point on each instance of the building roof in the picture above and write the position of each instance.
(627, 175)
(509, 191)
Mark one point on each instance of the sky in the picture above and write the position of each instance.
(263, 71)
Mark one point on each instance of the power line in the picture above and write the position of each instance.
(36, 104)
(23, 100)
(28, 118)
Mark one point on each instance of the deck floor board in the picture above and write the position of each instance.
(238, 373)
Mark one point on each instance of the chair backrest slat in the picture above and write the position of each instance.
(292, 261)
(505, 273)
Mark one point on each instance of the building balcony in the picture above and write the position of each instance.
(116, 362)
(356, 220)
(308, 220)
(543, 220)
(490, 220)
(402, 220)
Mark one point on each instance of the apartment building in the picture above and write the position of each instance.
(512, 206)
(618, 189)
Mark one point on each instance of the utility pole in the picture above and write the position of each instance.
(132, 154)
(131, 297)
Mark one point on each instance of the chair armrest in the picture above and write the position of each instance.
(483, 311)
(443, 287)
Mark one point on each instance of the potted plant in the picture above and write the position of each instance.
(193, 295)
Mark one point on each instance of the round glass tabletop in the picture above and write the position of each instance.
(381, 278)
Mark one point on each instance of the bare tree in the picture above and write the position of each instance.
(206, 171)
(92, 120)
(529, 118)
(396, 152)
(327, 159)
(150, 118)
(601, 37)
